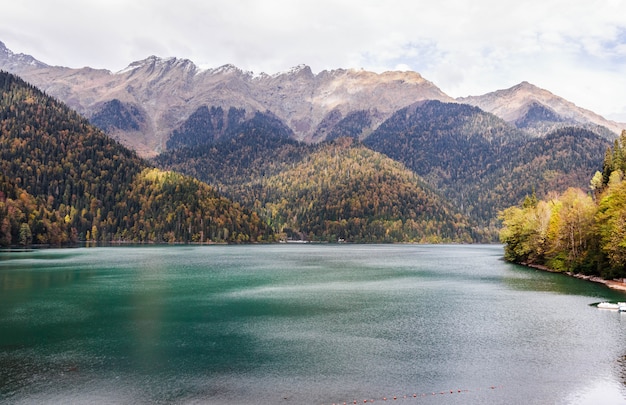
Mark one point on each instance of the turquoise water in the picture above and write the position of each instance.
(302, 324)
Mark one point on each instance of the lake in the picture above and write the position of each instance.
(302, 324)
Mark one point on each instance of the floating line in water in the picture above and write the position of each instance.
(413, 396)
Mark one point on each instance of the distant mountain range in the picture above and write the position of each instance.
(342, 154)
(145, 103)
(538, 111)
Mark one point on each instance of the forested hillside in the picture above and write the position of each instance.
(444, 142)
(565, 158)
(446, 171)
(346, 191)
(481, 163)
(206, 126)
(452, 146)
(331, 191)
(63, 180)
(575, 231)
(477, 162)
(251, 153)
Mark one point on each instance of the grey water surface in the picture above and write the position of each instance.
(302, 324)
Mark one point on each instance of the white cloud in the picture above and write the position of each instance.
(574, 49)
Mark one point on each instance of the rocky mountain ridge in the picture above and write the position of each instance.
(145, 103)
(10, 60)
(165, 92)
(513, 105)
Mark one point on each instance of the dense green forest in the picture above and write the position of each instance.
(352, 125)
(565, 158)
(263, 151)
(325, 192)
(579, 231)
(444, 142)
(475, 163)
(480, 163)
(456, 148)
(167, 206)
(63, 180)
(346, 191)
(206, 126)
(116, 115)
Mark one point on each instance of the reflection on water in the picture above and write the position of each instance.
(304, 324)
(529, 279)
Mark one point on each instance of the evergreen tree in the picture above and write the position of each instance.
(61, 180)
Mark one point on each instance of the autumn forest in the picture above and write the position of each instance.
(433, 172)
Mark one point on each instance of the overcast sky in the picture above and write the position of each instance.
(573, 48)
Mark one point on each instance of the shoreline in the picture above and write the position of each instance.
(612, 284)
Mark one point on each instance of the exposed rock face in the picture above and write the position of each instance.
(12, 61)
(143, 104)
(163, 93)
(514, 104)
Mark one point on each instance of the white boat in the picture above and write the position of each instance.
(622, 306)
(609, 305)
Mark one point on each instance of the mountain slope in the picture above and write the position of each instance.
(236, 130)
(480, 163)
(567, 157)
(11, 61)
(208, 126)
(327, 191)
(168, 91)
(444, 142)
(529, 106)
(65, 180)
(352, 193)
(143, 104)
(251, 152)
